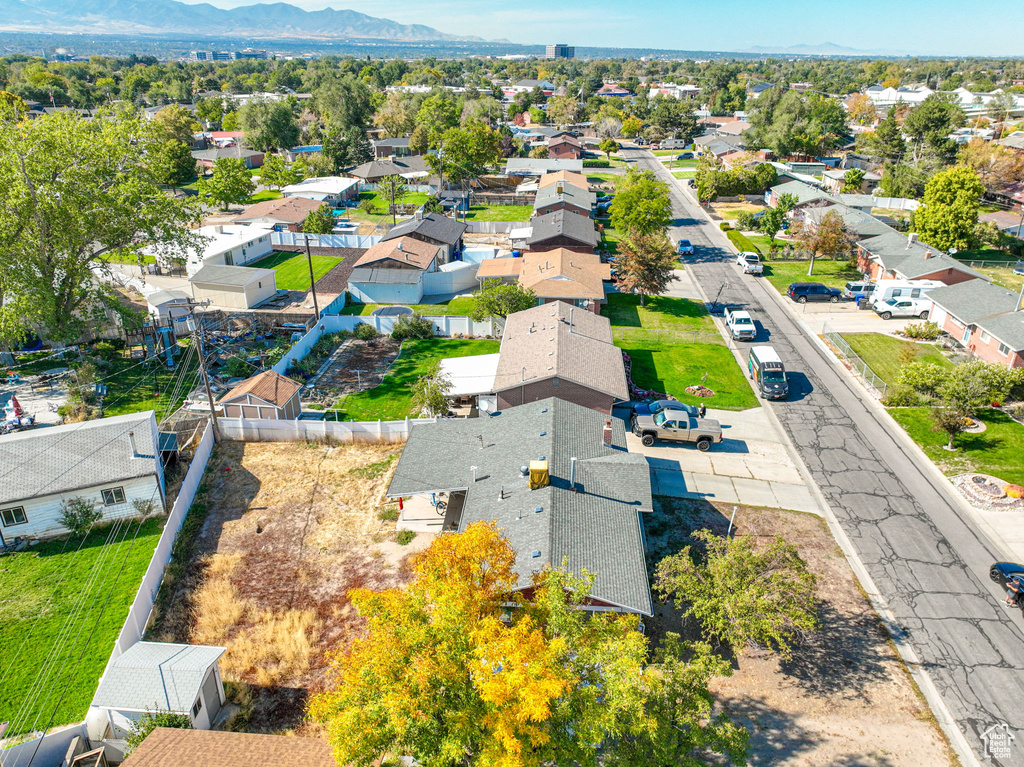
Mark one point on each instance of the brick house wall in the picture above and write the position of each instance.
(984, 346)
(564, 152)
(569, 391)
(874, 271)
(562, 205)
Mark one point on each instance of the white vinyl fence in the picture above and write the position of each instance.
(267, 430)
(494, 227)
(324, 240)
(443, 326)
(47, 753)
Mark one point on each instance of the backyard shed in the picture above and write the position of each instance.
(235, 287)
(157, 676)
(266, 395)
(168, 304)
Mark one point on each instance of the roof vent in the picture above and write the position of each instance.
(543, 434)
(399, 246)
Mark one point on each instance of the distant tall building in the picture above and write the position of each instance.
(560, 51)
(251, 53)
(210, 56)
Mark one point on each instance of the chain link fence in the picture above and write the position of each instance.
(853, 360)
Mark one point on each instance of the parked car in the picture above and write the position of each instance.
(904, 307)
(750, 263)
(673, 427)
(854, 290)
(684, 248)
(1002, 572)
(603, 198)
(654, 147)
(741, 324)
(662, 405)
(685, 156)
(802, 292)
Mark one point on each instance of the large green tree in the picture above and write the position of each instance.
(641, 204)
(928, 126)
(76, 193)
(438, 113)
(498, 299)
(465, 153)
(319, 221)
(171, 163)
(174, 123)
(949, 216)
(276, 173)
(268, 125)
(231, 182)
(675, 118)
(645, 265)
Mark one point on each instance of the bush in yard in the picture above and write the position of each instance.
(106, 350)
(596, 164)
(149, 721)
(972, 386)
(951, 421)
(922, 377)
(496, 299)
(389, 515)
(238, 367)
(412, 326)
(901, 396)
(405, 537)
(365, 332)
(747, 221)
(725, 226)
(922, 331)
(741, 241)
(743, 592)
(79, 515)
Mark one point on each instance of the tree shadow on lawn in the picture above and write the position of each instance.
(775, 735)
(623, 309)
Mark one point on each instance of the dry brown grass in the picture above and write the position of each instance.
(290, 531)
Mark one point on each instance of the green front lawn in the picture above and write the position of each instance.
(293, 269)
(499, 213)
(684, 174)
(392, 399)
(882, 353)
(671, 152)
(39, 591)
(670, 368)
(460, 306)
(134, 386)
(381, 204)
(996, 451)
(658, 313)
(266, 194)
(833, 273)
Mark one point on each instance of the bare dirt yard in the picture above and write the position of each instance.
(289, 529)
(845, 697)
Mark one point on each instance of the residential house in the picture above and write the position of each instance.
(834, 180)
(530, 166)
(525, 86)
(1011, 196)
(333, 190)
(169, 747)
(286, 214)
(307, 150)
(110, 462)
(1008, 221)
(411, 167)
(1013, 140)
(586, 506)
(563, 196)
(565, 147)
(755, 90)
(157, 676)
(718, 144)
(557, 350)
(433, 229)
(206, 158)
(613, 89)
(563, 176)
(391, 147)
(165, 304)
(234, 287)
(264, 395)
(803, 192)
(683, 92)
(858, 224)
(983, 318)
(391, 272)
(554, 275)
(895, 256)
(562, 230)
(222, 244)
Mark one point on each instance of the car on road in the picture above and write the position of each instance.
(1002, 572)
(741, 324)
(603, 198)
(673, 426)
(861, 289)
(750, 262)
(766, 370)
(802, 292)
(663, 405)
(684, 248)
(904, 307)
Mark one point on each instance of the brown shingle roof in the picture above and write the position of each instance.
(404, 252)
(268, 386)
(562, 273)
(575, 179)
(539, 343)
(499, 267)
(292, 210)
(168, 747)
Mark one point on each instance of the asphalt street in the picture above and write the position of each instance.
(927, 561)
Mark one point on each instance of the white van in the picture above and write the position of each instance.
(886, 289)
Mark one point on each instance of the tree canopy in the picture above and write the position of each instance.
(641, 204)
(498, 299)
(269, 125)
(948, 217)
(645, 264)
(230, 182)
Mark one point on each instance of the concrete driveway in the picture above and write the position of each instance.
(752, 465)
(844, 317)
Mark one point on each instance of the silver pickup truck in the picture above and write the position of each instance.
(750, 263)
(741, 324)
(676, 426)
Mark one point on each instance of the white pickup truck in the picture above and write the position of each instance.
(741, 324)
(750, 263)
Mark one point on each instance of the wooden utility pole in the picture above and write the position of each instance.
(312, 281)
(198, 335)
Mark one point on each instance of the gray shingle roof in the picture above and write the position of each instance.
(803, 192)
(392, 166)
(58, 459)
(238, 276)
(1008, 328)
(548, 195)
(386, 276)
(156, 676)
(597, 528)
(912, 260)
(857, 223)
(433, 226)
(537, 344)
(562, 224)
(974, 300)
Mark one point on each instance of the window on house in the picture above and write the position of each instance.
(13, 516)
(1004, 349)
(113, 496)
(197, 707)
(985, 337)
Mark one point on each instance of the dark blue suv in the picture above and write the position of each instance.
(802, 292)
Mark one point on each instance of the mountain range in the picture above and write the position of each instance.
(265, 20)
(821, 49)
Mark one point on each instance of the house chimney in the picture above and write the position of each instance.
(911, 239)
(131, 441)
(928, 254)
(606, 435)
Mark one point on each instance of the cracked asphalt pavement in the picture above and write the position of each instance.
(927, 561)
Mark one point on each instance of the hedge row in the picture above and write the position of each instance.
(596, 164)
(741, 241)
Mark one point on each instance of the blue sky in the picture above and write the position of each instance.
(938, 27)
